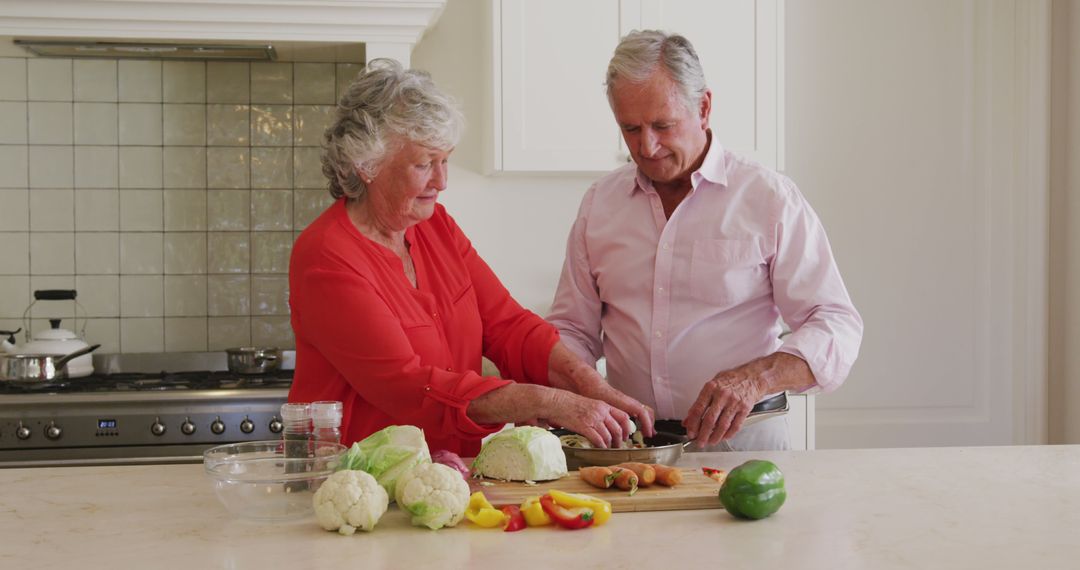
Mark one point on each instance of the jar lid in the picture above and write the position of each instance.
(295, 412)
(326, 412)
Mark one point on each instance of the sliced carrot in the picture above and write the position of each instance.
(599, 477)
(667, 476)
(646, 473)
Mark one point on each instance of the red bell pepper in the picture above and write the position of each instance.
(717, 475)
(571, 518)
(515, 520)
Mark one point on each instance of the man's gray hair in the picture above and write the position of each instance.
(383, 107)
(641, 52)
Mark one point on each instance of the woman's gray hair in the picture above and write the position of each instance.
(384, 106)
(639, 54)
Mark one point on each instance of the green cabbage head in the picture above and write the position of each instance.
(388, 453)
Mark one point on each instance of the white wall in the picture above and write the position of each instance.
(1064, 220)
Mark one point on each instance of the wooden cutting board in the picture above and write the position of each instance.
(695, 492)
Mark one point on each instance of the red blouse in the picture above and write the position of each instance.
(395, 354)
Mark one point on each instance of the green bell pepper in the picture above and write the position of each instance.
(753, 490)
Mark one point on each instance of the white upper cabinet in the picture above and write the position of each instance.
(549, 59)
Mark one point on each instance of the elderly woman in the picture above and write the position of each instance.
(392, 307)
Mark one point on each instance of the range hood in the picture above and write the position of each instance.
(144, 50)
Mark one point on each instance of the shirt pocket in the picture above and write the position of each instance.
(726, 272)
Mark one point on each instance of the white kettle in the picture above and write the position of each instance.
(54, 340)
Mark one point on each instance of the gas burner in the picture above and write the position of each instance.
(156, 382)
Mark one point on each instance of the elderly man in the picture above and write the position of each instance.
(682, 267)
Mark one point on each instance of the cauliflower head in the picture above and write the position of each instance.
(434, 494)
(349, 500)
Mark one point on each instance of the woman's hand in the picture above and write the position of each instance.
(568, 372)
(601, 423)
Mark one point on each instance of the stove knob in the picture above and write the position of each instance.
(218, 427)
(276, 426)
(247, 426)
(187, 428)
(157, 428)
(53, 431)
(22, 432)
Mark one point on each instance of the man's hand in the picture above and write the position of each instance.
(725, 401)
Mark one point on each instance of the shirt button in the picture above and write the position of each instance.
(660, 289)
(449, 368)
(667, 246)
(658, 334)
(435, 315)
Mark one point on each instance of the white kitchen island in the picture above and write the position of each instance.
(988, 507)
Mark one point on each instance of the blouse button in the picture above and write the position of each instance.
(427, 388)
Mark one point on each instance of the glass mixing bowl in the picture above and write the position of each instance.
(255, 480)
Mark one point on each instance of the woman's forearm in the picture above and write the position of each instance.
(512, 403)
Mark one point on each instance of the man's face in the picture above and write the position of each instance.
(665, 138)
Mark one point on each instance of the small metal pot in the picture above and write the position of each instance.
(33, 368)
(254, 359)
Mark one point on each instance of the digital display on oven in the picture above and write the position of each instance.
(106, 424)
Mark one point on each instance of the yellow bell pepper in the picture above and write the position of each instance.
(601, 508)
(534, 513)
(481, 513)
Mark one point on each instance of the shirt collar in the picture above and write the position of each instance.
(713, 169)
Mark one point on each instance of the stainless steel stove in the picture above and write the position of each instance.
(138, 417)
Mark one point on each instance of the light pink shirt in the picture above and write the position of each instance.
(681, 299)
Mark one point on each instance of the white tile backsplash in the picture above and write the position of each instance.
(97, 166)
(13, 87)
(227, 167)
(99, 294)
(142, 335)
(13, 166)
(185, 295)
(52, 253)
(271, 167)
(168, 193)
(52, 210)
(141, 210)
(184, 81)
(228, 332)
(14, 295)
(96, 123)
(95, 80)
(52, 166)
(142, 295)
(140, 124)
(140, 81)
(140, 167)
(13, 121)
(271, 125)
(185, 124)
(228, 125)
(97, 253)
(48, 79)
(97, 209)
(184, 167)
(185, 252)
(313, 83)
(50, 123)
(185, 334)
(271, 83)
(185, 210)
(141, 253)
(15, 215)
(228, 82)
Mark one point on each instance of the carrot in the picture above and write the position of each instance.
(667, 476)
(600, 477)
(646, 473)
(626, 479)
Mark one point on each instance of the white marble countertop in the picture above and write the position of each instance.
(985, 508)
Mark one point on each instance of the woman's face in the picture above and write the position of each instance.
(405, 190)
